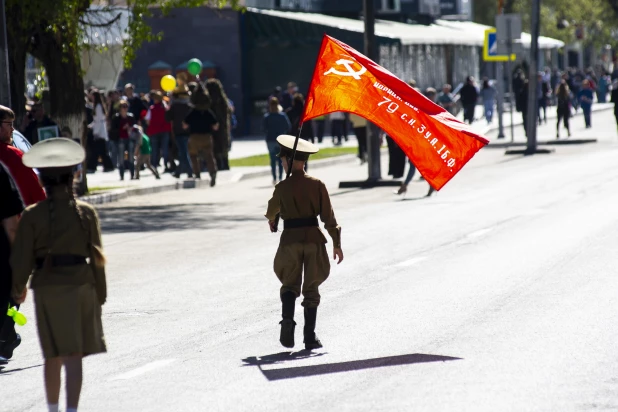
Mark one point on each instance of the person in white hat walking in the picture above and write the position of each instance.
(302, 262)
(58, 243)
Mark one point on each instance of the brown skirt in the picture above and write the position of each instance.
(69, 320)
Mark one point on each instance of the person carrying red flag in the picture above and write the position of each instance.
(433, 139)
(302, 258)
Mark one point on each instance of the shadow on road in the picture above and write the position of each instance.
(328, 368)
(7, 372)
(169, 217)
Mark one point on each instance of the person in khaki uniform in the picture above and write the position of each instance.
(201, 122)
(300, 199)
(58, 243)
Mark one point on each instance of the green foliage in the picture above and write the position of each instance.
(68, 21)
(599, 18)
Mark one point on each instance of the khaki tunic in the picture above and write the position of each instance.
(68, 299)
(303, 249)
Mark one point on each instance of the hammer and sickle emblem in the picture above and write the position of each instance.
(350, 70)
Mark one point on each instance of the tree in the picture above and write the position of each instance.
(596, 19)
(54, 33)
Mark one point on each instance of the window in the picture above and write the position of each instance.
(391, 5)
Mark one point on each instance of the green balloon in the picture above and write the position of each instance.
(194, 67)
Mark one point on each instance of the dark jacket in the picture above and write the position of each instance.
(295, 113)
(32, 131)
(178, 111)
(468, 94)
(114, 132)
(275, 124)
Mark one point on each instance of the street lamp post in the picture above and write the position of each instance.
(373, 139)
(533, 84)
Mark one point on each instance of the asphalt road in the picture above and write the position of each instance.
(496, 294)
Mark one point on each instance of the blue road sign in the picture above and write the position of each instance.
(492, 44)
(490, 48)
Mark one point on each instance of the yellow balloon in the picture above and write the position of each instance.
(168, 83)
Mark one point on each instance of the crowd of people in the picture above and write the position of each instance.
(181, 131)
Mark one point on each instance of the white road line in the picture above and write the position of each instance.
(479, 233)
(411, 262)
(143, 369)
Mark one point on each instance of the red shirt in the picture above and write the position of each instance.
(157, 123)
(26, 181)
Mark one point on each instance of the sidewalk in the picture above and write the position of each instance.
(490, 131)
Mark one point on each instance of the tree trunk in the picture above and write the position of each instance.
(17, 42)
(66, 87)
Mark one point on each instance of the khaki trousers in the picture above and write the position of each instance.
(143, 159)
(200, 146)
(292, 260)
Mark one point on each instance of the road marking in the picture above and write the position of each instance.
(479, 233)
(411, 262)
(143, 369)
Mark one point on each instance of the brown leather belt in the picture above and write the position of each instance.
(298, 223)
(62, 260)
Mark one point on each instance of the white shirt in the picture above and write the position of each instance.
(99, 124)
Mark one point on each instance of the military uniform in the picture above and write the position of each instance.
(54, 241)
(300, 200)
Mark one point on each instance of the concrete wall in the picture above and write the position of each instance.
(194, 32)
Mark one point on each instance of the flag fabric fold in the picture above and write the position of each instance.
(344, 80)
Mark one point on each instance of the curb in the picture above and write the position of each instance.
(564, 142)
(317, 164)
(520, 123)
(120, 194)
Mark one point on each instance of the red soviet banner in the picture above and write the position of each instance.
(344, 80)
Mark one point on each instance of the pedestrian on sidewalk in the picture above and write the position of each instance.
(121, 146)
(446, 100)
(222, 137)
(320, 123)
(301, 259)
(543, 93)
(404, 186)
(585, 97)
(337, 121)
(563, 107)
(143, 149)
(614, 97)
(159, 129)
(201, 123)
(275, 123)
(100, 147)
(521, 102)
(295, 114)
(359, 124)
(178, 111)
(54, 240)
(488, 95)
(469, 95)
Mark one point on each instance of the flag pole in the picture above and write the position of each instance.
(291, 162)
(289, 172)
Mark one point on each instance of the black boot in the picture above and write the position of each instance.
(311, 340)
(288, 301)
